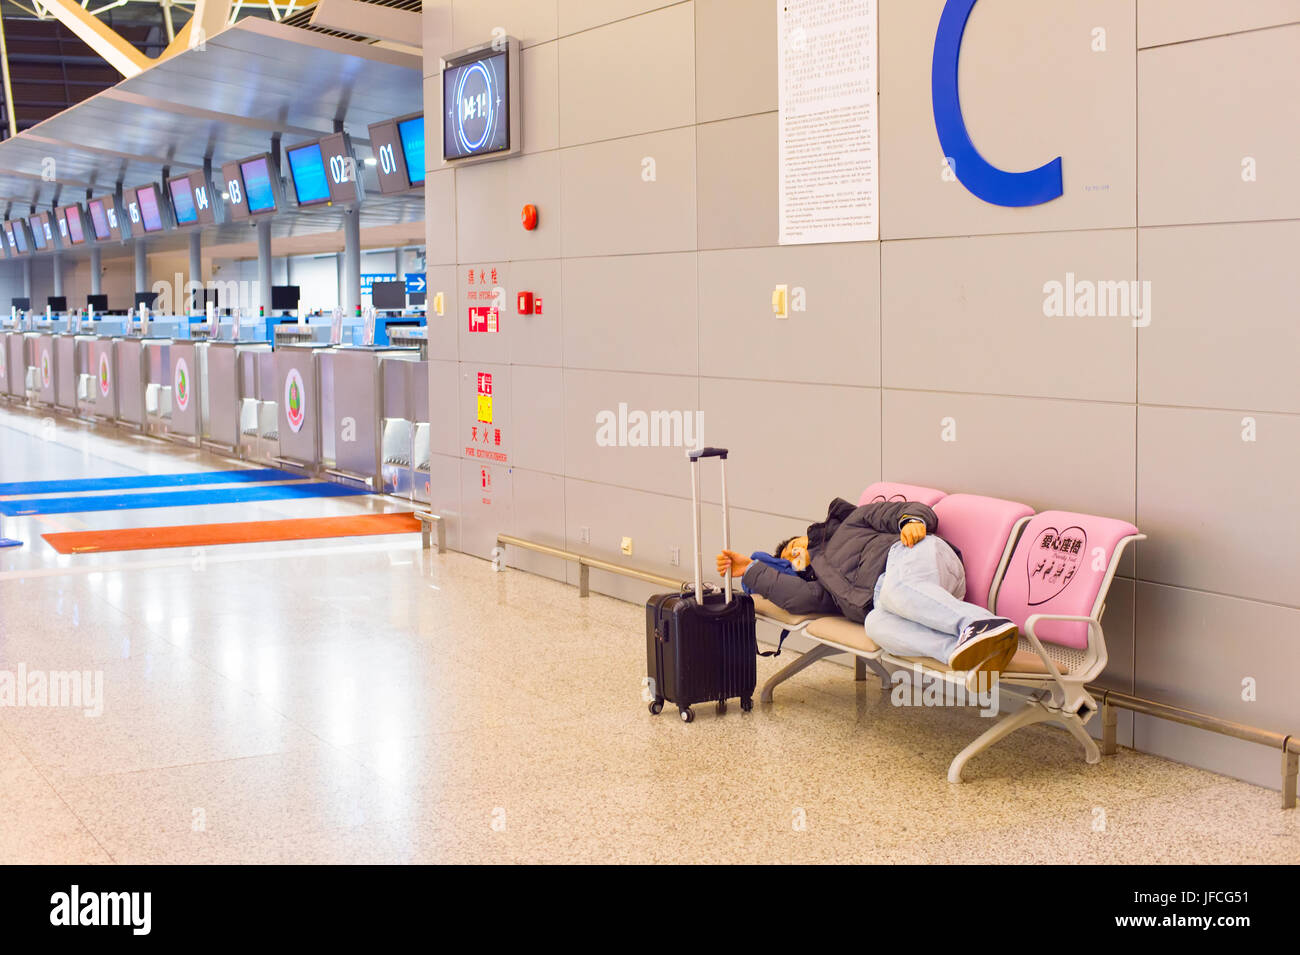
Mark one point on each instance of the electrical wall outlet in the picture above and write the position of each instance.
(626, 546)
(584, 534)
(675, 556)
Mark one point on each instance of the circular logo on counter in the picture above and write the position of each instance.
(295, 400)
(181, 384)
(45, 369)
(105, 375)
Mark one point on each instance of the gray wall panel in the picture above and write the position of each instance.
(1199, 485)
(737, 172)
(835, 340)
(633, 76)
(970, 314)
(631, 313)
(1226, 299)
(735, 58)
(1207, 106)
(1174, 21)
(610, 208)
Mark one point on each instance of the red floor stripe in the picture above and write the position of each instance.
(246, 532)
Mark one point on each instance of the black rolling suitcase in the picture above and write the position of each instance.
(701, 647)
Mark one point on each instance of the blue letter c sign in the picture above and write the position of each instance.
(984, 180)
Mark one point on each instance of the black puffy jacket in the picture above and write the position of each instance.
(847, 553)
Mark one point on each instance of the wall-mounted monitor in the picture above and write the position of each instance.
(11, 242)
(481, 106)
(72, 224)
(16, 233)
(193, 201)
(42, 237)
(146, 209)
(98, 220)
(389, 161)
(182, 194)
(307, 169)
(341, 169)
(260, 185)
(411, 133)
(105, 218)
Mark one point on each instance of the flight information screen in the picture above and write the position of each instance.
(411, 133)
(476, 107)
(183, 201)
(72, 215)
(99, 220)
(258, 191)
(307, 165)
(38, 234)
(150, 213)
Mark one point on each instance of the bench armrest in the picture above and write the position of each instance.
(1094, 634)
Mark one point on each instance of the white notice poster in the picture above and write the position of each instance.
(827, 121)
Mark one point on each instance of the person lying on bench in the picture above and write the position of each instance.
(882, 563)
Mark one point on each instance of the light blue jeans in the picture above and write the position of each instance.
(918, 610)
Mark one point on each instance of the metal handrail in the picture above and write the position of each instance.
(1111, 700)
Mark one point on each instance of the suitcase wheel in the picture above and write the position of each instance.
(686, 713)
(722, 707)
(747, 704)
(656, 707)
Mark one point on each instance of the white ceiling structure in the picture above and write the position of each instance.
(221, 102)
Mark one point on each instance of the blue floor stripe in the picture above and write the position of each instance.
(130, 502)
(135, 481)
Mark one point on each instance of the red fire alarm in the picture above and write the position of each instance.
(529, 217)
(525, 303)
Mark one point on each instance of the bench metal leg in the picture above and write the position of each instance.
(425, 537)
(879, 669)
(1032, 712)
(584, 580)
(859, 669)
(819, 652)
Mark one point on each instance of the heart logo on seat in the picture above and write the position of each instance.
(1053, 561)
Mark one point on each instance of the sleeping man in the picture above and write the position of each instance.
(882, 563)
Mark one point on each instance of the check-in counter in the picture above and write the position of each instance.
(14, 345)
(298, 397)
(67, 374)
(43, 350)
(231, 387)
(82, 381)
(358, 392)
(157, 381)
(405, 452)
(189, 398)
(103, 383)
(133, 373)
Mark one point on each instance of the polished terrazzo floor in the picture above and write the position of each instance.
(364, 701)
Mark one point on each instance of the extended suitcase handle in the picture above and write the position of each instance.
(696, 453)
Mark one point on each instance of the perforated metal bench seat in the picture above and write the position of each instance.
(1049, 572)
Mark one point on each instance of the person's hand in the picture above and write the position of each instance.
(912, 534)
(737, 563)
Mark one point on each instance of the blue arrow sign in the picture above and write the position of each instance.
(416, 283)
